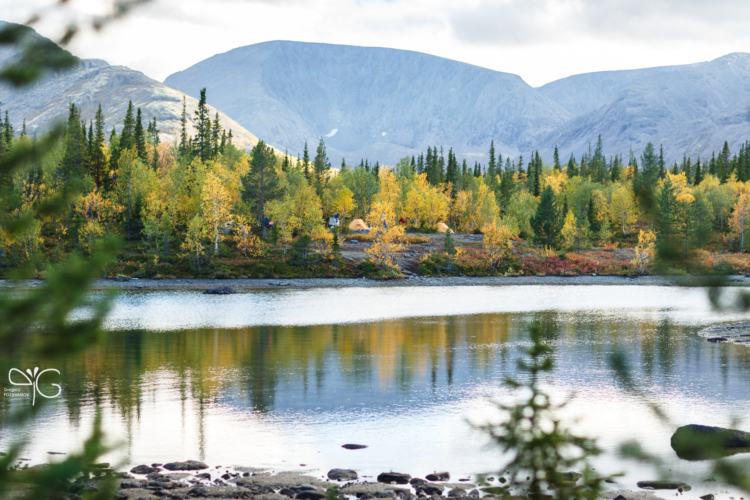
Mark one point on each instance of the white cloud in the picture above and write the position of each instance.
(540, 40)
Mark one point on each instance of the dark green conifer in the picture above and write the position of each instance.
(139, 136)
(547, 222)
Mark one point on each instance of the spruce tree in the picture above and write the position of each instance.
(556, 159)
(591, 216)
(492, 166)
(114, 157)
(661, 162)
(572, 170)
(449, 246)
(202, 140)
(183, 129)
(725, 169)
(666, 220)
(262, 182)
(546, 222)
(322, 167)
(285, 164)
(98, 158)
(71, 167)
(139, 136)
(127, 136)
(649, 162)
(306, 163)
(537, 174)
(216, 137)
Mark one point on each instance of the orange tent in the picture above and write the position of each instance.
(442, 228)
(358, 225)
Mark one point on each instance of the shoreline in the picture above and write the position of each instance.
(248, 284)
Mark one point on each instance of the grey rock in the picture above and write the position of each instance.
(187, 465)
(354, 446)
(287, 492)
(198, 491)
(707, 497)
(129, 484)
(700, 442)
(223, 290)
(385, 494)
(429, 489)
(394, 477)
(143, 469)
(663, 485)
(438, 476)
(416, 481)
(342, 474)
(620, 497)
(309, 495)
(457, 492)
(203, 475)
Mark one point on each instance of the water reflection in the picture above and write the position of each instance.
(278, 396)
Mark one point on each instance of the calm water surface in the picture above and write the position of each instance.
(280, 379)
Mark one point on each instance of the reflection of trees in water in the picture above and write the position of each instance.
(389, 356)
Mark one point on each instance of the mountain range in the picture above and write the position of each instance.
(92, 82)
(384, 104)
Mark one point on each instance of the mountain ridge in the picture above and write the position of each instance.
(621, 105)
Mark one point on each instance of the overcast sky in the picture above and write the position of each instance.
(540, 40)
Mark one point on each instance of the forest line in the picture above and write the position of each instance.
(202, 203)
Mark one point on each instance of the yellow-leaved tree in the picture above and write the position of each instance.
(321, 240)
(390, 190)
(623, 208)
(247, 242)
(496, 241)
(645, 252)
(98, 213)
(739, 221)
(387, 234)
(414, 206)
(216, 207)
(197, 232)
(570, 230)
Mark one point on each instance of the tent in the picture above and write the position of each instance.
(442, 228)
(358, 225)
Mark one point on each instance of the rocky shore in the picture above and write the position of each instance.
(196, 480)
(132, 284)
(735, 333)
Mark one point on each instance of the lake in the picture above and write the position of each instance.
(282, 379)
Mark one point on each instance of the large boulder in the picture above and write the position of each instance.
(342, 475)
(143, 469)
(223, 290)
(702, 442)
(663, 485)
(354, 446)
(438, 476)
(187, 465)
(394, 477)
